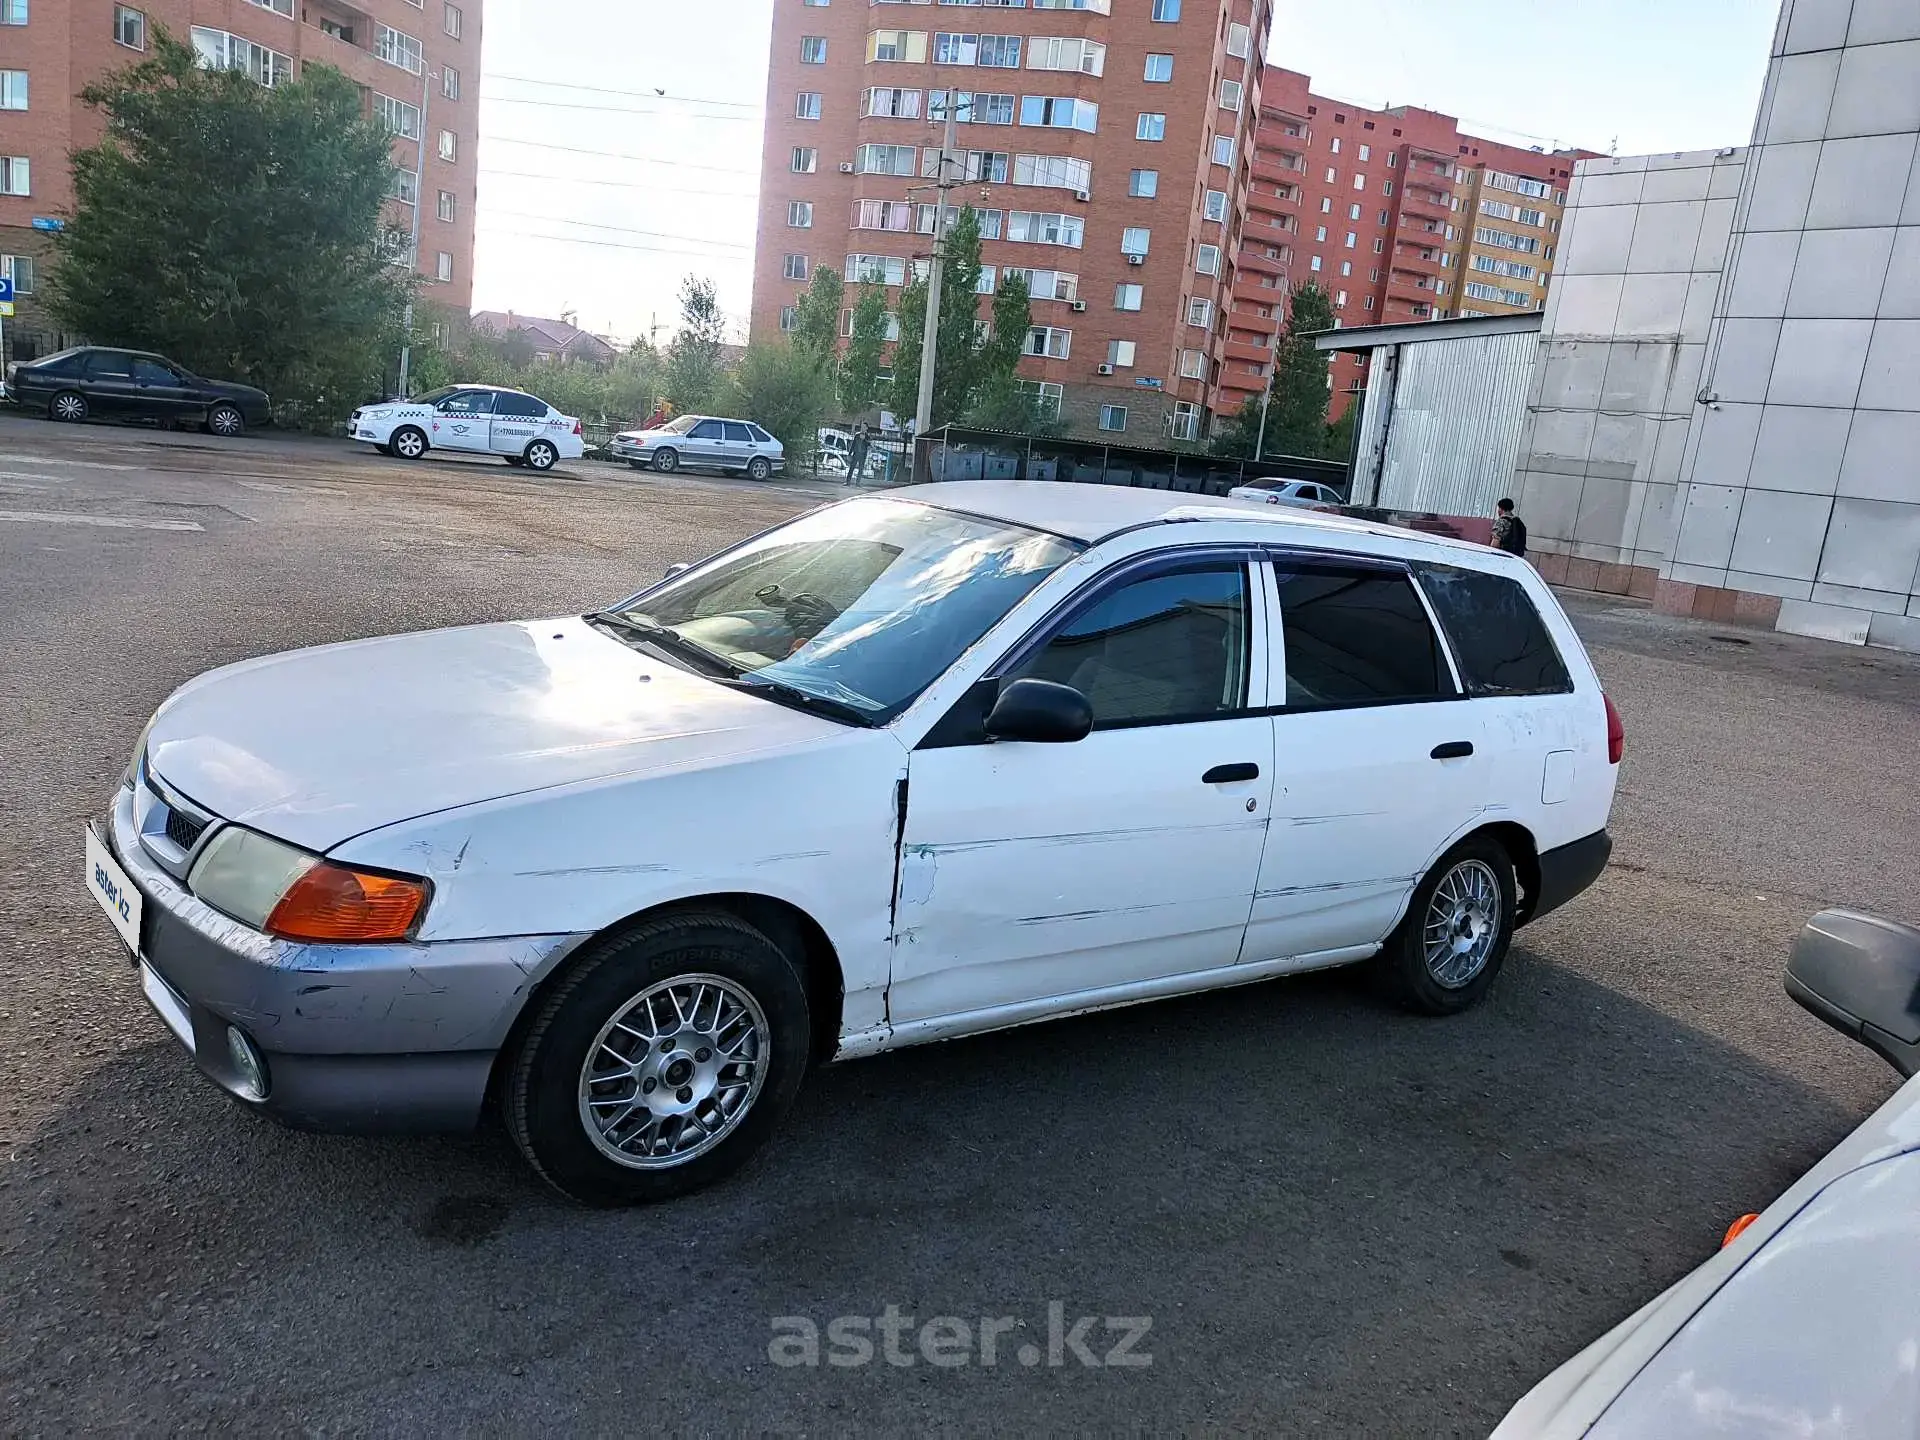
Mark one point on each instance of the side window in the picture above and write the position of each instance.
(468, 402)
(152, 372)
(1164, 648)
(737, 433)
(522, 407)
(109, 365)
(1499, 640)
(760, 435)
(709, 430)
(1356, 637)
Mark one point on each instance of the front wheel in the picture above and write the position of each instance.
(661, 1062)
(759, 468)
(541, 455)
(409, 443)
(69, 406)
(226, 421)
(1444, 956)
(666, 461)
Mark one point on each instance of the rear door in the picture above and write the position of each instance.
(464, 421)
(1379, 761)
(517, 419)
(108, 385)
(739, 443)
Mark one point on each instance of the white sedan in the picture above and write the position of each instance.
(521, 429)
(906, 768)
(1276, 490)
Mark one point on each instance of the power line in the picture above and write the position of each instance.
(608, 244)
(622, 229)
(631, 94)
(617, 184)
(611, 109)
(620, 155)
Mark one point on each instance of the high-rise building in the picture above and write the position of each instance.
(1107, 149)
(417, 62)
(1395, 213)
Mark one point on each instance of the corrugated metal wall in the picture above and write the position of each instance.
(1452, 432)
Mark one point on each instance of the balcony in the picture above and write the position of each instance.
(1257, 289)
(1255, 263)
(1418, 260)
(1276, 169)
(1238, 351)
(1423, 203)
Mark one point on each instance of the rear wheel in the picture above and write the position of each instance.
(666, 461)
(226, 420)
(1450, 946)
(68, 405)
(541, 455)
(409, 443)
(759, 468)
(660, 1062)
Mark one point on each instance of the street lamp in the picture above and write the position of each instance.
(427, 77)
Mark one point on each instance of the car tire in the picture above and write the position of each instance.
(1451, 943)
(226, 421)
(409, 442)
(666, 461)
(541, 455)
(658, 977)
(69, 406)
(759, 468)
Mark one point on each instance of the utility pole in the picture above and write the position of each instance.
(413, 256)
(930, 338)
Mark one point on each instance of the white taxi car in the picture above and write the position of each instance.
(521, 429)
(906, 768)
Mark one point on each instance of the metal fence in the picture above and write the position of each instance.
(957, 453)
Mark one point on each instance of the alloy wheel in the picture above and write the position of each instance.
(69, 407)
(1462, 924)
(225, 420)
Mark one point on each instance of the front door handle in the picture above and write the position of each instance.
(1227, 774)
(1453, 750)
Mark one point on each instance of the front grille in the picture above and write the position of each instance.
(183, 830)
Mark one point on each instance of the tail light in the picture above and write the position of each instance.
(576, 427)
(1616, 733)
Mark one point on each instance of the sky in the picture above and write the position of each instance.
(618, 155)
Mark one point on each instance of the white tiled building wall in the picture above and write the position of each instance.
(1801, 476)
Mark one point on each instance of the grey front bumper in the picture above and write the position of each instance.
(355, 1037)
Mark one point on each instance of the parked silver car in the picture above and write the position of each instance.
(707, 442)
(1278, 490)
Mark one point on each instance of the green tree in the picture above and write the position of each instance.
(865, 353)
(999, 401)
(695, 367)
(784, 388)
(236, 227)
(956, 370)
(817, 325)
(1339, 445)
(1296, 412)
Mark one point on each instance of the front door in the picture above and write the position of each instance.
(464, 421)
(706, 444)
(1033, 872)
(1378, 760)
(160, 391)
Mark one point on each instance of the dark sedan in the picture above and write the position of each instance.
(94, 382)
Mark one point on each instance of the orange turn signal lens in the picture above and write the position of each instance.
(1737, 1229)
(331, 902)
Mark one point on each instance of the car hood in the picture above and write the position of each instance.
(317, 746)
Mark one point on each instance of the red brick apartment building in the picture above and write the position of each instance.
(394, 49)
(1395, 213)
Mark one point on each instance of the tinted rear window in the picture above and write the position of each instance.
(508, 403)
(1356, 637)
(1498, 637)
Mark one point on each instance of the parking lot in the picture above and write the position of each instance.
(1336, 1217)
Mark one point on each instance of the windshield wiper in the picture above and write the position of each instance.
(794, 698)
(659, 635)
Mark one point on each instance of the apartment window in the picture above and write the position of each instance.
(1369, 306)
(404, 188)
(1366, 153)
(14, 12)
(1128, 297)
(1120, 354)
(1061, 113)
(955, 49)
(885, 159)
(1239, 41)
(285, 7)
(1320, 233)
(443, 266)
(813, 49)
(1393, 159)
(1353, 212)
(804, 160)
(396, 47)
(887, 215)
(806, 106)
(1519, 185)
(896, 104)
(1352, 239)
(1050, 341)
(1360, 182)
(1166, 11)
(129, 26)
(909, 46)
(1334, 145)
(977, 166)
(1151, 127)
(217, 50)
(1135, 240)
(1039, 228)
(451, 19)
(1159, 69)
(1332, 174)
(1223, 150)
(1314, 264)
(1379, 245)
(1144, 183)
(445, 207)
(14, 176)
(877, 269)
(789, 317)
(1339, 299)
(1062, 172)
(1193, 364)
(1385, 217)
(1530, 217)
(820, 4)
(1346, 268)
(1229, 94)
(1185, 421)
(13, 89)
(1089, 57)
(1200, 312)
(1214, 207)
(449, 82)
(1497, 292)
(20, 267)
(399, 117)
(1206, 259)
(449, 146)
(793, 267)
(1113, 417)
(999, 52)
(799, 214)
(1326, 205)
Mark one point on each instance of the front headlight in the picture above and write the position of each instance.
(132, 777)
(295, 894)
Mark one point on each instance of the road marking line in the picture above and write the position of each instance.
(113, 522)
(81, 464)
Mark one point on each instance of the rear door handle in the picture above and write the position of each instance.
(1453, 750)
(1227, 774)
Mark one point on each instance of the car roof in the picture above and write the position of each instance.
(1094, 512)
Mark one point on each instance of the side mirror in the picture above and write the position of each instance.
(1861, 974)
(1039, 710)
(673, 570)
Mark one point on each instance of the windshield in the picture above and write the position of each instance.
(1268, 482)
(864, 603)
(681, 424)
(434, 397)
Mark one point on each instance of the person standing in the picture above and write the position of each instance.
(857, 454)
(1509, 530)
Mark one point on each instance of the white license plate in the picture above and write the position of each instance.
(109, 885)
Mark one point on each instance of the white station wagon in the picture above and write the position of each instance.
(909, 767)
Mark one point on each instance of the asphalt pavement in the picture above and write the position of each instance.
(1335, 1217)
